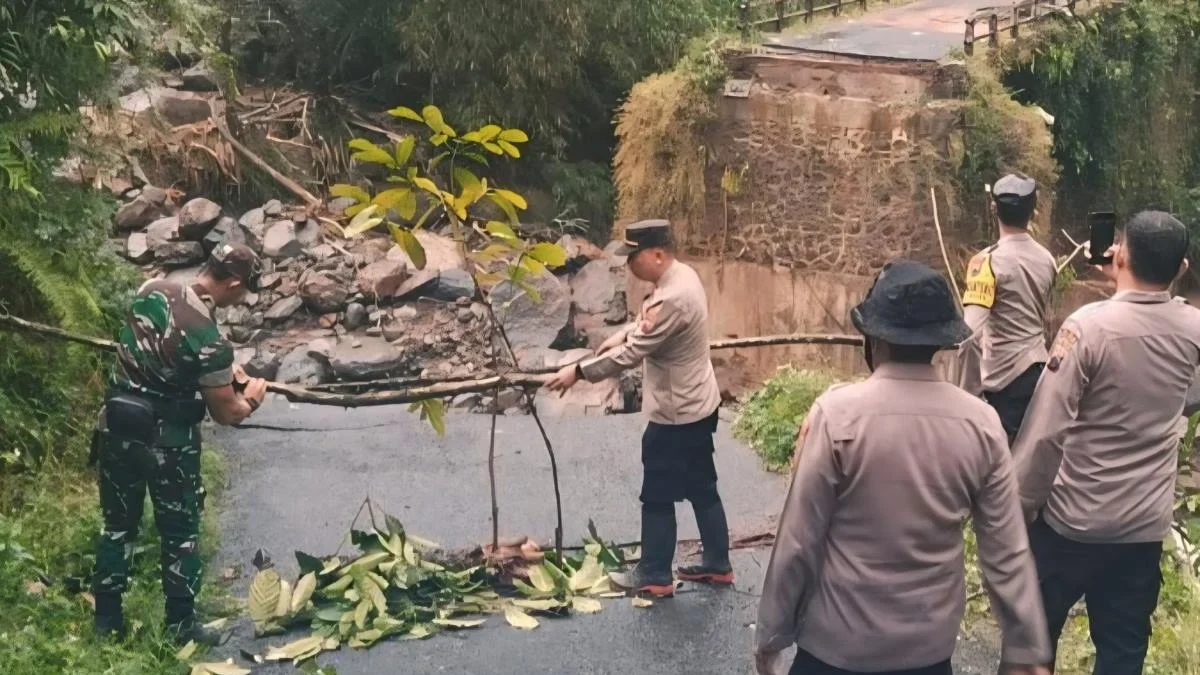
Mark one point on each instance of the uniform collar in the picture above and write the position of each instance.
(1018, 236)
(1142, 297)
(924, 372)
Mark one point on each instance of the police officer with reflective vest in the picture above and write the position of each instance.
(172, 366)
(681, 398)
(1006, 304)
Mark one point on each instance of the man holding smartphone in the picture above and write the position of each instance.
(1005, 304)
(1096, 459)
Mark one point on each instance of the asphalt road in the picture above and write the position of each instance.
(299, 490)
(925, 29)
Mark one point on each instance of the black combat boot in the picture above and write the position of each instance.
(183, 627)
(110, 619)
(714, 535)
(652, 574)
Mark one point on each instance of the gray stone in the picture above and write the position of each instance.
(197, 217)
(529, 323)
(142, 211)
(374, 331)
(373, 358)
(162, 231)
(405, 313)
(299, 367)
(238, 315)
(284, 308)
(229, 231)
(593, 287)
(241, 334)
(322, 252)
(465, 315)
(339, 205)
(308, 234)
(356, 315)
(610, 251)
(137, 249)
(382, 279)
(479, 310)
(280, 240)
(578, 247)
(454, 285)
(264, 363)
(393, 330)
(508, 398)
(618, 311)
(273, 207)
(269, 280)
(180, 107)
(322, 293)
(253, 218)
(199, 78)
(179, 254)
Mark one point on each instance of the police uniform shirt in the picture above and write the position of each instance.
(671, 336)
(867, 570)
(1012, 280)
(1098, 451)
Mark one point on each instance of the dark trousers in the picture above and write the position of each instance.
(1012, 401)
(807, 664)
(677, 465)
(1119, 583)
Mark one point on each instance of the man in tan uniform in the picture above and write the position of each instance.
(867, 573)
(681, 398)
(1008, 291)
(1096, 459)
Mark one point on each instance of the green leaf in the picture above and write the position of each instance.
(467, 181)
(517, 618)
(308, 563)
(304, 590)
(420, 632)
(642, 603)
(264, 596)
(512, 198)
(551, 255)
(476, 157)
(586, 605)
(434, 410)
(588, 574)
(355, 210)
(294, 650)
(404, 150)
(402, 200)
(438, 139)
(500, 231)
(360, 614)
(510, 149)
(513, 136)
(505, 206)
(371, 153)
(223, 668)
(187, 651)
(547, 605)
(409, 243)
(375, 595)
(285, 599)
(541, 579)
(405, 113)
(352, 191)
(460, 623)
(427, 185)
(532, 265)
(493, 148)
(363, 221)
(433, 118)
(490, 132)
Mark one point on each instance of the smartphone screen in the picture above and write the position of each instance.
(1103, 228)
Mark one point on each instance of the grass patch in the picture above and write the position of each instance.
(771, 417)
(50, 532)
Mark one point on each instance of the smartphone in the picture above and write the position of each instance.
(1103, 228)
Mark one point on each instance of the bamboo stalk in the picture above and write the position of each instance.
(942, 244)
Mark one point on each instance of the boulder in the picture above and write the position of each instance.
(238, 315)
(322, 293)
(372, 358)
(280, 240)
(284, 308)
(593, 287)
(148, 207)
(393, 330)
(356, 315)
(453, 285)
(382, 279)
(610, 252)
(137, 249)
(199, 77)
(179, 254)
(162, 231)
(273, 207)
(322, 252)
(253, 218)
(263, 362)
(578, 247)
(229, 231)
(197, 217)
(308, 234)
(618, 310)
(181, 107)
(299, 367)
(529, 323)
(441, 253)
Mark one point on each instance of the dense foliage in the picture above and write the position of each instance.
(771, 416)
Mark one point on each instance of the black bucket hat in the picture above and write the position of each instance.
(910, 304)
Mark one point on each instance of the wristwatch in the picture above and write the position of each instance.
(579, 371)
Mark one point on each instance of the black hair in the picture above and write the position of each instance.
(215, 270)
(1015, 215)
(911, 353)
(1155, 244)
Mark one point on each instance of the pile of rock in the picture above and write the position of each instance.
(330, 309)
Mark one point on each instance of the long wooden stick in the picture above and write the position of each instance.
(291, 185)
(942, 244)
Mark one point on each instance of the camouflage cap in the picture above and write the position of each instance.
(237, 260)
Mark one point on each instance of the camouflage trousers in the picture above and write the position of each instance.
(172, 477)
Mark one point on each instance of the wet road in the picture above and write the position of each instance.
(299, 490)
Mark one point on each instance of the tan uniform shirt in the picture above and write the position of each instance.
(671, 336)
(1013, 279)
(1099, 446)
(867, 572)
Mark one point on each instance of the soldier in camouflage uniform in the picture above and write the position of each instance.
(173, 366)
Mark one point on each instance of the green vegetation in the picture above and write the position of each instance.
(1120, 83)
(771, 417)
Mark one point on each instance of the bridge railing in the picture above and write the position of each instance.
(777, 14)
(990, 23)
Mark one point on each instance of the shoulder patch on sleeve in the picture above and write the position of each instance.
(981, 281)
(1064, 344)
